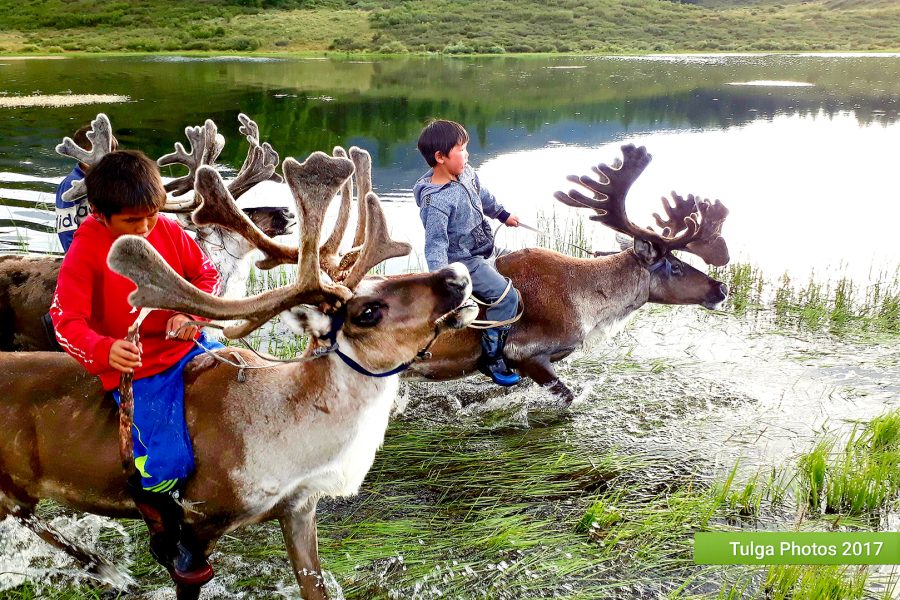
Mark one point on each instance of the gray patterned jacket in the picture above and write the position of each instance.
(454, 218)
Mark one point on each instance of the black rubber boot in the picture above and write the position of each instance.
(171, 543)
(491, 361)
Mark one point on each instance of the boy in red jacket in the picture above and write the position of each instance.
(91, 315)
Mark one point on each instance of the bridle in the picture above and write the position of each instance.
(337, 322)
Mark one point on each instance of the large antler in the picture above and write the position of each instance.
(697, 231)
(206, 145)
(676, 213)
(329, 255)
(313, 184)
(101, 138)
(338, 266)
(362, 161)
(260, 163)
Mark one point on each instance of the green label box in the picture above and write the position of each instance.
(797, 548)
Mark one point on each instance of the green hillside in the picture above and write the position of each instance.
(457, 26)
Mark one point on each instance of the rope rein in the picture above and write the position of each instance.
(549, 235)
(488, 324)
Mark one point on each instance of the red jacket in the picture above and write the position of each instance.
(90, 309)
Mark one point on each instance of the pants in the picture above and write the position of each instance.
(163, 453)
(488, 285)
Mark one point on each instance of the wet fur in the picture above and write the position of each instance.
(266, 448)
(569, 302)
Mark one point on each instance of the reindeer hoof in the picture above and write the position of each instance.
(561, 393)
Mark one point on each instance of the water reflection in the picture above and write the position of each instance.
(783, 158)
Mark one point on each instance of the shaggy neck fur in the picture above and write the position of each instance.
(321, 445)
(228, 251)
(624, 288)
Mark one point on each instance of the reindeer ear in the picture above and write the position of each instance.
(304, 319)
(624, 241)
(646, 251)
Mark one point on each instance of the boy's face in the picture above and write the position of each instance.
(131, 221)
(456, 160)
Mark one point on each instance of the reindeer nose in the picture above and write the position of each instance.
(457, 278)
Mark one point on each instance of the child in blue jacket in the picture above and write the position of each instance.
(70, 213)
(453, 206)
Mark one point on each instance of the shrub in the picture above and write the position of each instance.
(519, 48)
(393, 47)
(242, 43)
(282, 43)
(459, 47)
(344, 44)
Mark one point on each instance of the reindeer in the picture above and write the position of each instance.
(268, 447)
(572, 301)
(27, 282)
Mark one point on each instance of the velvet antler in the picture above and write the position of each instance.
(101, 138)
(697, 231)
(313, 185)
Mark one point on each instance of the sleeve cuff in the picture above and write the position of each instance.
(503, 216)
(101, 353)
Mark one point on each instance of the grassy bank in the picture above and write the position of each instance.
(840, 307)
(477, 510)
(491, 26)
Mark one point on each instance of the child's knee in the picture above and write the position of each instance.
(510, 303)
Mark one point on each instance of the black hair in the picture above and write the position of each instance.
(80, 137)
(440, 135)
(122, 180)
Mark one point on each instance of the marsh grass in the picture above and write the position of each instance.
(863, 477)
(563, 235)
(804, 582)
(840, 306)
(474, 510)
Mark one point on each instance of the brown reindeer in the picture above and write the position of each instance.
(268, 445)
(574, 301)
(27, 282)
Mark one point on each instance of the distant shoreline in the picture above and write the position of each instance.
(426, 27)
(330, 54)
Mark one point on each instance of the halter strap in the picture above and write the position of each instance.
(337, 322)
(662, 263)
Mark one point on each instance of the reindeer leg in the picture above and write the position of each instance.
(299, 529)
(541, 371)
(91, 562)
(187, 592)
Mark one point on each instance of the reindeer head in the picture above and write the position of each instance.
(272, 220)
(381, 322)
(692, 225)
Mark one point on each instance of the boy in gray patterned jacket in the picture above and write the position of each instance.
(453, 205)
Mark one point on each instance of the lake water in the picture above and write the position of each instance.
(802, 149)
